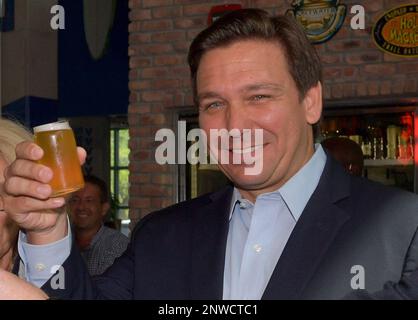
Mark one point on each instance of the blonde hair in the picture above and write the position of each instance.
(11, 134)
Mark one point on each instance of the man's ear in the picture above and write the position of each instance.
(105, 208)
(313, 104)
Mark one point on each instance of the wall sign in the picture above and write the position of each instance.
(396, 31)
(218, 11)
(321, 19)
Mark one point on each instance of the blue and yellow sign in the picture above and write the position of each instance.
(321, 19)
(396, 32)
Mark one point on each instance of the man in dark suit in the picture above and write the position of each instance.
(301, 228)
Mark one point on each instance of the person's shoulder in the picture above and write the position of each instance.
(369, 187)
(115, 234)
(392, 200)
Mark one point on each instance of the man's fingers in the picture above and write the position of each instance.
(22, 205)
(29, 169)
(29, 150)
(16, 186)
(81, 155)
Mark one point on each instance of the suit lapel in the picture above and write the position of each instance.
(209, 237)
(313, 234)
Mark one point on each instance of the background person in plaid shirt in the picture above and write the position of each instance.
(98, 244)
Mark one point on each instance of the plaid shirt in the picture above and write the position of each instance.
(107, 245)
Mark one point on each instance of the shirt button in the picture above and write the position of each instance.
(257, 248)
(242, 205)
(40, 267)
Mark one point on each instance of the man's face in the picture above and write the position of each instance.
(247, 85)
(87, 210)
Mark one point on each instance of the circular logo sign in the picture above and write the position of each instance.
(396, 32)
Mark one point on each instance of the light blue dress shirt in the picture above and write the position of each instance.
(41, 261)
(258, 232)
(257, 236)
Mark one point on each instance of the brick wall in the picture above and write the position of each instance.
(160, 34)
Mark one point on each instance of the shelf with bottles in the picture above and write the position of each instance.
(388, 162)
(385, 139)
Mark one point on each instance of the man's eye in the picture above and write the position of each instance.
(212, 105)
(259, 97)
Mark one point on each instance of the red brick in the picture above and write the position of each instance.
(155, 72)
(164, 179)
(408, 67)
(134, 26)
(140, 85)
(155, 96)
(166, 12)
(372, 88)
(330, 58)
(380, 70)
(362, 58)
(337, 91)
(169, 60)
(141, 109)
(166, 84)
(411, 86)
(372, 6)
(138, 62)
(137, 167)
(349, 72)
(139, 178)
(343, 45)
(327, 91)
(142, 155)
(152, 190)
(140, 202)
(181, 72)
(133, 74)
(349, 90)
(188, 99)
(152, 119)
(133, 97)
(178, 99)
(181, 47)
(361, 89)
(197, 9)
(156, 25)
(392, 58)
(143, 131)
(385, 88)
(135, 4)
(139, 14)
(139, 38)
(168, 36)
(152, 49)
(156, 3)
(398, 86)
(331, 72)
(190, 23)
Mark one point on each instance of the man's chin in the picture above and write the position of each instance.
(248, 182)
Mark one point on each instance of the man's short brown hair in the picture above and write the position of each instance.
(255, 24)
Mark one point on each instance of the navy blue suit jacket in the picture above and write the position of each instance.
(179, 252)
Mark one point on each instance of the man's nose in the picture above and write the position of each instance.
(236, 118)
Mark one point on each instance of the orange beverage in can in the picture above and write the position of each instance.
(60, 155)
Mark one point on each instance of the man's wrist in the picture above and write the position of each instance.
(50, 235)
